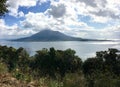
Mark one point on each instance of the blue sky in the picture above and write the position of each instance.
(79, 18)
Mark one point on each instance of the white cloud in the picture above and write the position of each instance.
(106, 33)
(12, 31)
(88, 2)
(107, 9)
(57, 11)
(20, 14)
(13, 5)
(43, 1)
(36, 21)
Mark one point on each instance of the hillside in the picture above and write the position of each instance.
(49, 35)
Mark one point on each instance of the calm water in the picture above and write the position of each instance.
(83, 49)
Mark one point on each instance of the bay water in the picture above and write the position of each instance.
(84, 49)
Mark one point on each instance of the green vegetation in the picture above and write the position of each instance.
(58, 68)
(3, 7)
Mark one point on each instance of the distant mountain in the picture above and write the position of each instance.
(49, 35)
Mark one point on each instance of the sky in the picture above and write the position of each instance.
(96, 19)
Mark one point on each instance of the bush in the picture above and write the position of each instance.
(74, 80)
(3, 68)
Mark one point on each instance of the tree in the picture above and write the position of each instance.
(56, 62)
(104, 61)
(92, 65)
(22, 58)
(68, 62)
(3, 7)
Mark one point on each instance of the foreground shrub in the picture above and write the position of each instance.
(74, 80)
(3, 68)
(106, 80)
